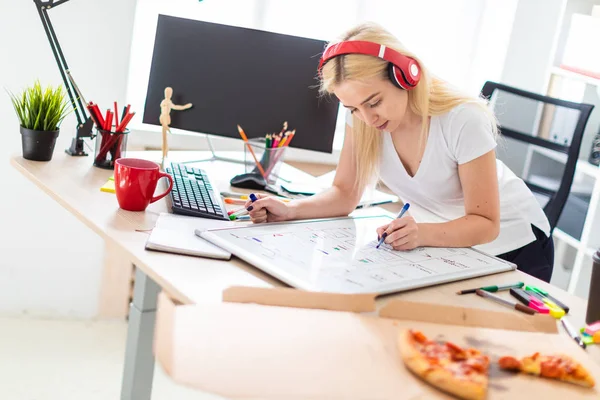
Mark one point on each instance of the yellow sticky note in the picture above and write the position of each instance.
(597, 337)
(109, 186)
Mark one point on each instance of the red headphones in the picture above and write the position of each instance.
(403, 71)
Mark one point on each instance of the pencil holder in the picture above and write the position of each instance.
(110, 146)
(270, 159)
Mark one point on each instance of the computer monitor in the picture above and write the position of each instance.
(235, 75)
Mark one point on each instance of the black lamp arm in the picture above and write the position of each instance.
(84, 123)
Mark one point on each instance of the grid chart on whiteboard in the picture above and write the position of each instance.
(342, 256)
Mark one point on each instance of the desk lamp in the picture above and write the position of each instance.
(84, 122)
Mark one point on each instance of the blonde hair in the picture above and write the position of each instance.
(432, 96)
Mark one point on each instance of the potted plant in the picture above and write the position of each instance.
(40, 112)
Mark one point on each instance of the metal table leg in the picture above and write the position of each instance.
(139, 358)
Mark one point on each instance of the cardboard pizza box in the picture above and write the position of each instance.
(280, 343)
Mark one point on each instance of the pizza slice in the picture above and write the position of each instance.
(444, 365)
(558, 366)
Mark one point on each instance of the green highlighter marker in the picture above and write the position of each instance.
(549, 297)
(493, 288)
(555, 310)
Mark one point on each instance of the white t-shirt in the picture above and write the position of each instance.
(435, 193)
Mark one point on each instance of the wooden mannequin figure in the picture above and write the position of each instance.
(165, 119)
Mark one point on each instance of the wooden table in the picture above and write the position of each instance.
(74, 183)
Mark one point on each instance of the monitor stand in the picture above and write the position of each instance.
(215, 157)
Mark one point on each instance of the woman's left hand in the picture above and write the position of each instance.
(402, 233)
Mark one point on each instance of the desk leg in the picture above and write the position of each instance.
(116, 283)
(139, 358)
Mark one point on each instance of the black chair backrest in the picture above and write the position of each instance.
(570, 147)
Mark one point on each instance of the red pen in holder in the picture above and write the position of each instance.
(110, 146)
(111, 139)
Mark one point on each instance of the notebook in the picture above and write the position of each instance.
(176, 234)
(370, 197)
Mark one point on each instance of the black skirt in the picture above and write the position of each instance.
(535, 258)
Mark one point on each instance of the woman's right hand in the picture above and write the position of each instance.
(268, 209)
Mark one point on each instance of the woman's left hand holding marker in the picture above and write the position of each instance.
(268, 209)
(242, 213)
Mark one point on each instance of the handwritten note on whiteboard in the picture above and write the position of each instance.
(339, 255)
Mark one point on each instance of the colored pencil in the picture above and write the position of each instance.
(279, 153)
(229, 200)
(116, 115)
(245, 139)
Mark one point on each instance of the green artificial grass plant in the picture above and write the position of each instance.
(41, 109)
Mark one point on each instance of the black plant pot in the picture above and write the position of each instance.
(38, 145)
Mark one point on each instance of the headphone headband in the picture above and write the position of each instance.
(404, 71)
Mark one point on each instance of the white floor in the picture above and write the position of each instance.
(71, 360)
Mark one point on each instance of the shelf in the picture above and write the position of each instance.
(583, 166)
(588, 168)
(565, 237)
(571, 241)
(575, 76)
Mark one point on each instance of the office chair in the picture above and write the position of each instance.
(544, 125)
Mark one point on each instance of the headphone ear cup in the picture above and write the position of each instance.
(393, 77)
(396, 77)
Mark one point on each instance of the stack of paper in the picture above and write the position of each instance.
(176, 234)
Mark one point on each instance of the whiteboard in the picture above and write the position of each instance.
(339, 255)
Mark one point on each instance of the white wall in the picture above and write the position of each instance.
(573, 7)
(444, 34)
(490, 46)
(533, 43)
(51, 263)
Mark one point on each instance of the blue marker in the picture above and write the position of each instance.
(400, 214)
(242, 211)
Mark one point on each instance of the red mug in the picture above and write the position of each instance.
(135, 183)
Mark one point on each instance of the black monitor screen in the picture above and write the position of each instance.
(242, 76)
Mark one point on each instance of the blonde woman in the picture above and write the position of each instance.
(432, 146)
